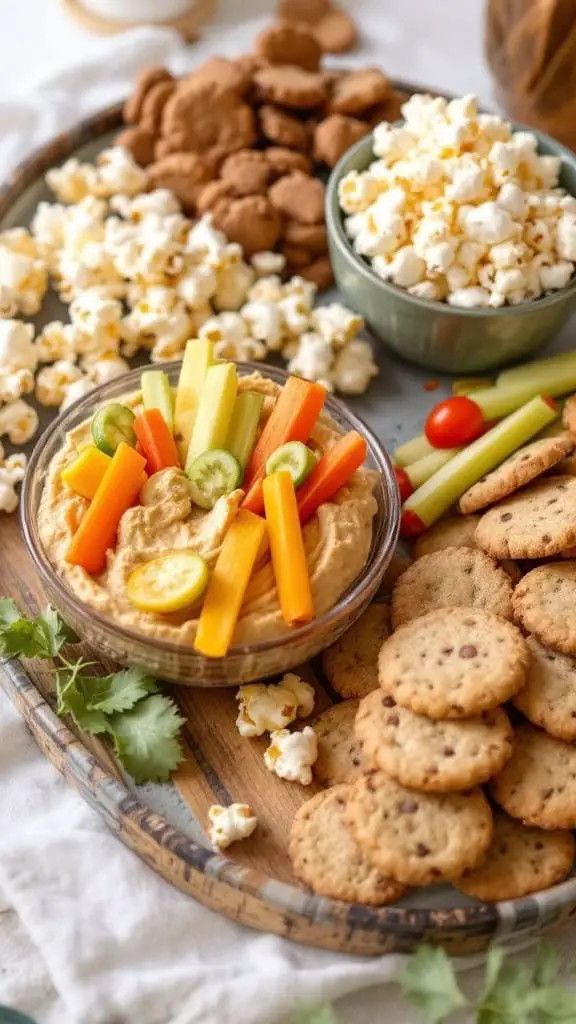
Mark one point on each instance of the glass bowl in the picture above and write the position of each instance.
(179, 662)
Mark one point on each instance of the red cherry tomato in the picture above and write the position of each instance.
(454, 422)
(411, 525)
(404, 484)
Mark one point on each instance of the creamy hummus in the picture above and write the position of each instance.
(337, 539)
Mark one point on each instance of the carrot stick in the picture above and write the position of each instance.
(287, 549)
(116, 493)
(84, 475)
(332, 471)
(157, 441)
(292, 419)
(240, 549)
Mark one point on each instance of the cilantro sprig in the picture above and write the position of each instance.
(125, 706)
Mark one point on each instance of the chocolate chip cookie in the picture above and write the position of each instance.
(515, 472)
(538, 785)
(544, 603)
(339, 752)
(536, 523)
(351, 664)
(549, 697)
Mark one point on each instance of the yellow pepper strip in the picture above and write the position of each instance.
(225, 594)
(84, 475)
(287, 549)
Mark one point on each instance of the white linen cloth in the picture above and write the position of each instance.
(88, 934)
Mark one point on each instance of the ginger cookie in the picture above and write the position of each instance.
(209, 119)
(290, 87)
(429, 755)
(336, 32)
(311, 237)
(146, 80)
(286, 42)
(320, 273)
(538, 785)
(518, 470)
(351, 664)
(139, 142)
(283, 128)
(326, 858)
(303, 10)
(519, 860)
(453, 532)
(283, 161)
(334, 135)
(536, 523)
(544, 603)
(453, 578)
(247, 171)
(299, 197)
(339, 752)
(251, 221)
(211, 195)
(185, 174)
(549, 697)
(153, 104)
(358, 91)
(296, 258)
(569, 415)
(418, 838)
(232, 75)
(453, 663)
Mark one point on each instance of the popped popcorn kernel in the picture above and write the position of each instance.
(12, 471)
(19, 421)
(291, 754)
(230, 824)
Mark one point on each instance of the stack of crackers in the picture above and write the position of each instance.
(451, 756)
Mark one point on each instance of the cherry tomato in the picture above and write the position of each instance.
(454, 422)
(411, 525)
(404, 484)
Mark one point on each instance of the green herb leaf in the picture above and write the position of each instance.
(547, 963)
(56, 631)
(117, 692)
(315, 1015)
(494, 961)
(145, 738)
(511, 999)
(556, 1004)
(429, 982)
(42, 637)
(71, 702)
(9, 612)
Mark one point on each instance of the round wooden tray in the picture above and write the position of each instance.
(163, 824)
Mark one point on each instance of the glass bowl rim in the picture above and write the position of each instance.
(374, 567)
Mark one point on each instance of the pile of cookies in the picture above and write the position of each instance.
(451, 756)
(246, 139)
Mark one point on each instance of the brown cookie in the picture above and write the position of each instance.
(232, 75)
(515, 472)
(139, 142)
(549, 697)
(398, 564)
(251, 221)
(283, 161)
(458, 532)
(153, 104)
(296, 258)
(351, 664)
(283, 128)
(290, 87)
(426, 754)
(175, 143)
(544, 603)
(519, 861)
(303, 10)
(146, 79)
(319, 273)
(288, 42)
(326, 858)
(536, 523)
(418, 838)
(211, 195)
(339, 752)
(334, 135)
(336, 32)
(209, 119)
(538, 785)
(299, 197)
(185, 174)
(248, 172)
(389, 110)
(311, 237)
(359, 91)
(452, 578)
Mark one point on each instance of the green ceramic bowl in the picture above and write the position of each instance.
(433, 334)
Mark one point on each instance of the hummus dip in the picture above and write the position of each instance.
(337, 538)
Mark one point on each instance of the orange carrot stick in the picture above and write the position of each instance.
(287, 549)
(332, 471)
(117, 491)
(156, 439)
(292, 419)
(85, 474)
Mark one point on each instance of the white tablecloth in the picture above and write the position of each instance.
(88, 934)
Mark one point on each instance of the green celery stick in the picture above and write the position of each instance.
(412, 450)
(555, 428)
(244, 425)
(498, 402)
(441, 491)
(420, 471)
(157, 394)
(468, 385)
(560, 368)
(215, 409)
(198, 357)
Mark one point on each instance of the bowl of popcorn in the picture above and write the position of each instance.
(454, 234)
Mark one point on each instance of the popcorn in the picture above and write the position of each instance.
(264, 322)
(357, 191)
(265, 708)
(96, 320)
(487, 224)
(118, 172)
(17, 348)
(266, 289)
(197, 285)
(52, 382)
(55, 341)
(469, 298)
(22, 273)
(405, 268)
(48, 226)
(158, 316)
(313, 359)
(336, 324)
(295, 313)
(204, 240)
(566, 237)
(72, 181)
(512, 198)
(267, 263)
(108, 368)
(11, 473)
(354, 368)
(291, 755)
(161, 201)
(234, 280)
(391, 143)
(78, 389)
(229, 824)
(8, 303)
(556, 276)
(19, 421)
(14, 385)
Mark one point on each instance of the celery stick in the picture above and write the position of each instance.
(498, 402)
(420, 471)
(198, 356)
(560, 368)
(468, 385)
(555, 428)
(244, 425)
(157, 394)
(412, 450)
(439, 492)
(215, 409)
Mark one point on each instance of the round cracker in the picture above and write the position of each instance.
(536, 523)
(339, 752)
(519, 469)
(351, 664)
